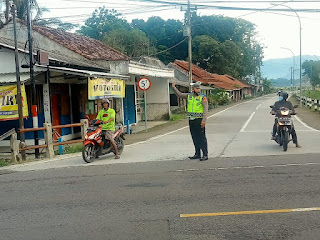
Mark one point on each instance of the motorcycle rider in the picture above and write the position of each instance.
(107, 116)
(283, 96)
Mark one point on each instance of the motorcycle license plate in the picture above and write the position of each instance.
(284, 119)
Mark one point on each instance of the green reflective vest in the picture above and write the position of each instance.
(195, 107)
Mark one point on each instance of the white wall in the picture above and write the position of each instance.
(159, 90)
(7, 61)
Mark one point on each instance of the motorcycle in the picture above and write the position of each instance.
(95, 145)
(284, 125)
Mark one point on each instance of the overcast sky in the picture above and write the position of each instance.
(276, 30)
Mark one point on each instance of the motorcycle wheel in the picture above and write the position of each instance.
(88, 153)
(285, 140)
(120, 145)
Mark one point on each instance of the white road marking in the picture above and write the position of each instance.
(247, 122)
(258, 106)
(247, 167)
(304, 124)
(163, 135)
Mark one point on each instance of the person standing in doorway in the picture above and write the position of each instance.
(197, 107)
(107, 116)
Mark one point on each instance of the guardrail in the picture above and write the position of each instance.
(16, 148)
(313, 104)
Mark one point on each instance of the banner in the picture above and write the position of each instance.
(99, 88)
(9, 104)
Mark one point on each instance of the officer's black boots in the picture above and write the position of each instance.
(195, 157)
(204, 158)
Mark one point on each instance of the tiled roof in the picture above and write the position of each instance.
(220, 81)
(87, 47)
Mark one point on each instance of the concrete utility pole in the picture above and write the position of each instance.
(189, 43)
(19, 96)
(34, 97)
(188, 34)
(7, 11)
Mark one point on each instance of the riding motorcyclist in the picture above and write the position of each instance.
(107, 116)
(283, 96)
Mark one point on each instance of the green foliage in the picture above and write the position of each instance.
(102, 22)
(314, 94)
(219, 98)
(133, 43)
(312, 70)
(74, 148)
(3, 163)
(267, 86)
(177, 116)
(221, 44)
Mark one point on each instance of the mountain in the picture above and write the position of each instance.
(280, 69)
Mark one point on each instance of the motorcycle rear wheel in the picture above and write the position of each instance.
(88, 153)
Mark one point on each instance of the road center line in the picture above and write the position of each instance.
(249, 212)
(247, 122)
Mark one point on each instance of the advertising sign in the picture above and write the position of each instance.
(99, 88)
(9, 103)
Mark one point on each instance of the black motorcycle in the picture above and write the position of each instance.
(284, 125)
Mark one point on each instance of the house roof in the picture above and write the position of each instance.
(85, 46)
(56, 56)
(220, 81)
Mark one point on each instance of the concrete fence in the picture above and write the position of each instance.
(313, 104)
(17, 147)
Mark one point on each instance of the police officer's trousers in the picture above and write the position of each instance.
(199, 138)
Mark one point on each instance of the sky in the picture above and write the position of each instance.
(275, 30)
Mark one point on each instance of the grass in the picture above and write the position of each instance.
(3, 163)
(178, 116)
(73, 148)
(314, 94)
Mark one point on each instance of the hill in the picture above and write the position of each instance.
(278, 70)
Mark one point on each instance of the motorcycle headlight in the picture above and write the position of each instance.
(285, 113)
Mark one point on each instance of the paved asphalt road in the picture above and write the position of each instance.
(153, 193)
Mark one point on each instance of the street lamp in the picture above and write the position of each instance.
(300, 46)
(294, 64)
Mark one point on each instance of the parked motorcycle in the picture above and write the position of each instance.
(284, 125)
(95, 145)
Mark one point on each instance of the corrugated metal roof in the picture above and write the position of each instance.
(6, 78)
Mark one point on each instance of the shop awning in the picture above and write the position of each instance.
(85, 73)
(10, 78)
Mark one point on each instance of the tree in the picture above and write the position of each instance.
(102, 22)
(312, 70)
(38, 12)
(163, 35)
(238, 31)
(133, 43)
(267, 86)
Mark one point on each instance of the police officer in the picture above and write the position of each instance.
(197, 107)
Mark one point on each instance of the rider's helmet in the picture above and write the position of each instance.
(105, 101)
(284, 95)
(279, 92)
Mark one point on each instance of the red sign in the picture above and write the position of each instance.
(144, 84)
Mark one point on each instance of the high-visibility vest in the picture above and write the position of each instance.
(195, 107)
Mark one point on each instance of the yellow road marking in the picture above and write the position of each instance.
(249, 212)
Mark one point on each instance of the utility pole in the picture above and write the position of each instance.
(7, 11)
(188, 34)
(19, 96)
(189, 43)
(291, 78)
(34, 97)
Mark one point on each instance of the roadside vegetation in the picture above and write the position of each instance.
(314, 94)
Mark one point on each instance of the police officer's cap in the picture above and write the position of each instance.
(195, 85)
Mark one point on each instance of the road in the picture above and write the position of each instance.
(248, 189)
